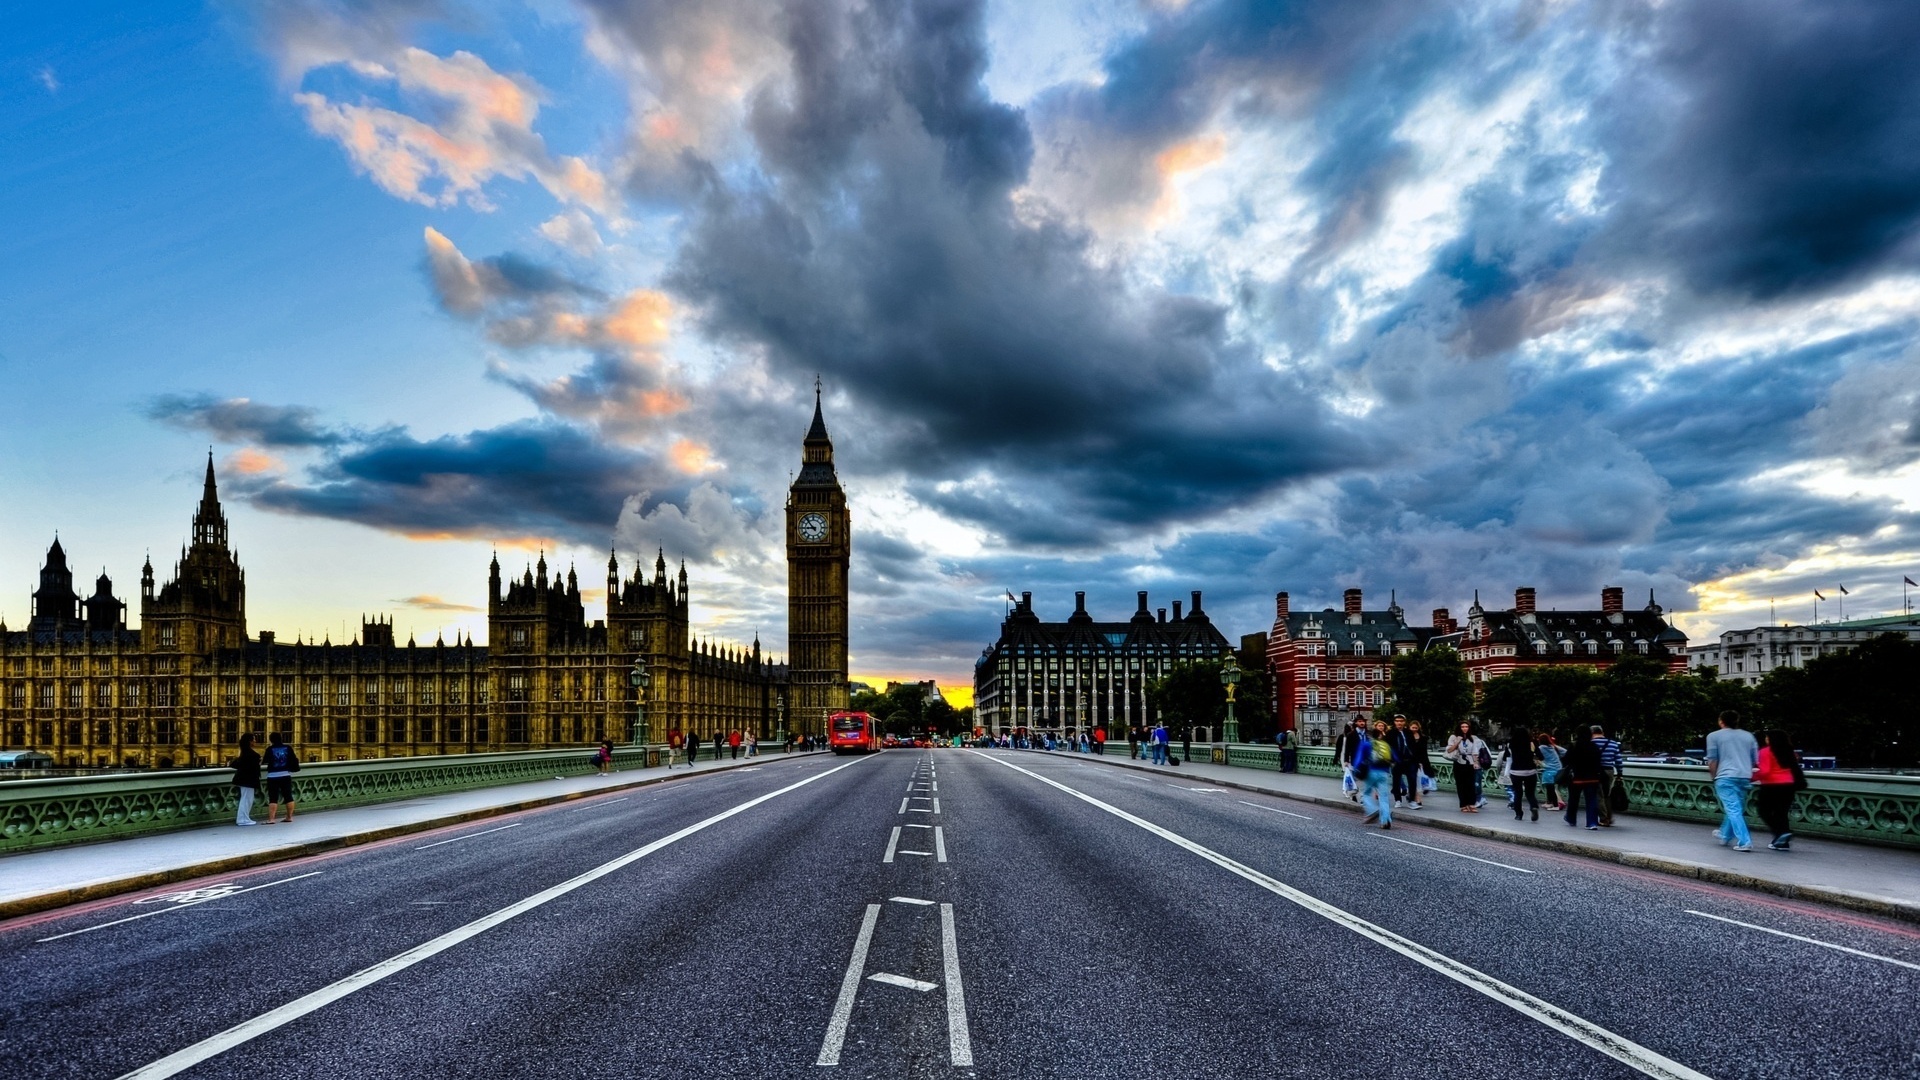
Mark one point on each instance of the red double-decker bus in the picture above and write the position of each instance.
(852, 733)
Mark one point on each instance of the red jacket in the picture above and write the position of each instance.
(1770, 770)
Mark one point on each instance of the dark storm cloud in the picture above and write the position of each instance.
(1770, 149)
(1019, 384)
(536, 478)
(239, 420)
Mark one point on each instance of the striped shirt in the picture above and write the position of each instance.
(1609, 753)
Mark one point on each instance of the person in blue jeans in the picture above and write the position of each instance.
(1373, 767)
(1158, 742)
(1732, 756)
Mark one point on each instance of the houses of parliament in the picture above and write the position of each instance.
(81, 686)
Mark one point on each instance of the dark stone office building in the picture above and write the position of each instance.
(1084, 674)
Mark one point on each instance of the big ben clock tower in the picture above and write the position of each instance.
(818, 547)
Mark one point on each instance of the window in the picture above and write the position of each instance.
(399, 691)
(342, 692)
(43, 695)
(425, 732)
(17, 696)
(429, 692)
(76, 695)
(518, 636)
(203, 693)
(311, 729)
(397, 729)
(259, 693)
(315, 694)
(230, 693)
(516, 688)
(1313, 674)
(456, 692)
(369, 730)
(167, 635)
(163, 694)
(131, 695)
(1313, 699)
(373, 691)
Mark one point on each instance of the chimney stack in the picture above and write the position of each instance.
(1196, 601)
(1142, 594)
(1353, 601)
(1279, 606)
(1523, 600)
(1163, 614)
(1079, 603)
(1612, 599)
(1026, 601)
(1443, 621)
(1176, 611)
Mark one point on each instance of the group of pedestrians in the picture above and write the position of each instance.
(724, 744)
(276, 767)
(1740, 765)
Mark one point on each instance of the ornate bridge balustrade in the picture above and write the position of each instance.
(69, 810)
(1869, 808)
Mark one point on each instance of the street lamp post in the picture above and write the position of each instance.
(781, 699)
(640, 680)
(1230, 678)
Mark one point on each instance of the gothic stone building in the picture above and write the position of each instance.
(79, 685)
(1083, 674)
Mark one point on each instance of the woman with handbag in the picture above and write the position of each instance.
(1549, 769)
(1776, 781)
(1465, 750)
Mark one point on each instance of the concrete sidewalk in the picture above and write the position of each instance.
(1883, 881)
(41, 880)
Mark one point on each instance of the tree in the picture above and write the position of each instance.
(1551, 698)
(1858, 706)
(1253, 704)
(1189, 696)
(1627, 702)
(1689, 705)
(1431, 687)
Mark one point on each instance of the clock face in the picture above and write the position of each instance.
(813, 528)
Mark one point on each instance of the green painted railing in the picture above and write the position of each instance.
(1871, 808)
(71, 810)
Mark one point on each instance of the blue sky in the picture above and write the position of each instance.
(1232, 296)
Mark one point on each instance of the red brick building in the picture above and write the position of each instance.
(1329, 666)
(1497, 643)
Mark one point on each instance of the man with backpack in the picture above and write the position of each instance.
(281, 763)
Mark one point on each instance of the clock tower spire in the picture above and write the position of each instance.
(819, 546)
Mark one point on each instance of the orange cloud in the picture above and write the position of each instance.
(1190, 155)
(250, 462)
(690, 457)
(641, 319)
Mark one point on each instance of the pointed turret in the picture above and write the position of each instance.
(660, 567)
(540, 575)
(209, 520)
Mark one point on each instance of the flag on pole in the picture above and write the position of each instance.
(1817, 596)
(1844, 592)
(1910, 581)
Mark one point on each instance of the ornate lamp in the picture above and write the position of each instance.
(1230, 678)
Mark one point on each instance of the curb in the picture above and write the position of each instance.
(1872, 905)
(99, 890)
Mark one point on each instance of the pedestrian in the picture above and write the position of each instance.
(1406, 774)
(1581, 763)
(1422, 763)
(1133, 742)
(1186, 743)
(1549, 754)
(1732, 756)
(246, 777)
(1289, 751)
(1778, 778)
(719, 740)
(604, 757)
(1612, 771)
(693, 748)
(1523, 773)
(733, 743)
(1343, 749)
(1469, 754)
(1158, 739)
(753, 745)
(1374, 767)
(281, 763)
(1100, 741)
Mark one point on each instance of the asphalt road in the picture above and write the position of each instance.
(952, 913)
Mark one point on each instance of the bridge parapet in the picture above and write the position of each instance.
(70, 810)
(1873, 808)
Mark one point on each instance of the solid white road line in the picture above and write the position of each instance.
(893, 841)
(273, 1019)
(910, 900)
(469, 836)
(1808, 940)
(1455, 854)
(1277, 810)
(916, 852)
(903, 806)
(1208, 790)
(891, 979)
(176, 907)
(940, 843)
(849, 989)
(959, 1043)
(1618, 1047)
